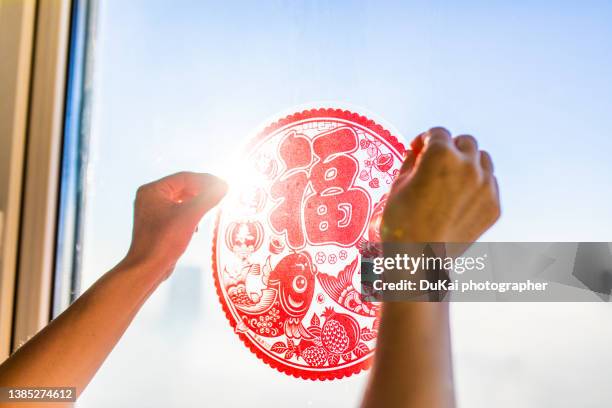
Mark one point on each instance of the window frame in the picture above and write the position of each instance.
(75, 148)
(36, 72)
(17, 24)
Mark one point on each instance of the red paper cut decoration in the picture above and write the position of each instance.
(286, 246)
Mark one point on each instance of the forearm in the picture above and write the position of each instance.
(69, 351)
(412, 366)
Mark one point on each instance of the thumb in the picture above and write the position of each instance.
(208, 198)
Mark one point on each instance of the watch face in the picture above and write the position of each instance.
(287, 239)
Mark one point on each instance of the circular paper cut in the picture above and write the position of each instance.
(286, 250)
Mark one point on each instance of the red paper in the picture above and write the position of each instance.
(286, 243)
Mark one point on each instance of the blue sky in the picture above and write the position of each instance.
(179, 84)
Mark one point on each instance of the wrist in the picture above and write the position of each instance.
(401, 311)
(421, 266)
(147, 269)
(394, 233)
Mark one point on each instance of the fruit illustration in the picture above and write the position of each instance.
(276, 245)
(340, 332)
(314, 355)
(384, 162)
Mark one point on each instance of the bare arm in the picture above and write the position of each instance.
(446, 192)
(69, 351)
(412, 365)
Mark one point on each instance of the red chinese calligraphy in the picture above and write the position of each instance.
(318, 201)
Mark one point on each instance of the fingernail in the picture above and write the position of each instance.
(417, 144)
(437, 129)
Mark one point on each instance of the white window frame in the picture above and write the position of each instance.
(34, 39)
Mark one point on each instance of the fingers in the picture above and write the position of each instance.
(439, 139)
(213, 189)
(408, 163)
(467, 145)
(196, 193)
(496, 189)
(437, 142)
(416, 147)
(436, 135)
(202, 183)
(187, 182)
(417, 144)
(486, 162)
(181, 187)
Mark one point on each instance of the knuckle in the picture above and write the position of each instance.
(493, 188)
(488, 191)
(142, 190)
(494, 211)
(489, 184)
(486, 161)
(439, 131)
(492, 202)
(438, 151)
(468, 139)
(470, 173)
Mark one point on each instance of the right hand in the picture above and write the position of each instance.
(446, 192)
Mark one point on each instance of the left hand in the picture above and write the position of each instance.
(166, 214)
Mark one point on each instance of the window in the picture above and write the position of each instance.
(174, 86)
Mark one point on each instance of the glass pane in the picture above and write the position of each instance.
(178, 85)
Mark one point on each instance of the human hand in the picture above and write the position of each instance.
(446, 192)
(166, 214)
